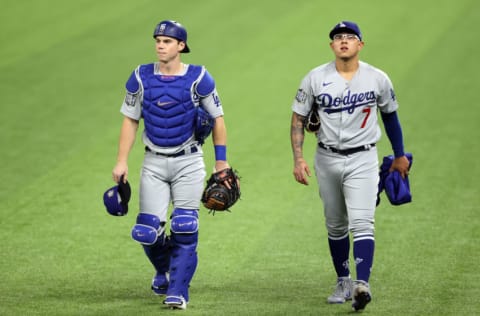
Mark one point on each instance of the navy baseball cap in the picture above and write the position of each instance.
(172, 29)
(346, 27)
(116, 199)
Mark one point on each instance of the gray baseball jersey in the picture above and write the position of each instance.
(348, 118)
(164, 179)
(347, 109)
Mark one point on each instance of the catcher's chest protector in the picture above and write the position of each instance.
(168, 105)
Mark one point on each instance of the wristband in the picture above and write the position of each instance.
(220, 152)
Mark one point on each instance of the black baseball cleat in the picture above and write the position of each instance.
(361, 295)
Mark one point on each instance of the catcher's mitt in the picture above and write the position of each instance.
(217, 196)
(312, 121)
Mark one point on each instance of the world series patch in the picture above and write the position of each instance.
(130, 99)
(301, 96)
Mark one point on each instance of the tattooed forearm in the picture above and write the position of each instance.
(297, 135)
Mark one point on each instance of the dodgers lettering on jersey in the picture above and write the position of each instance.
(347, 103)
(348, 109)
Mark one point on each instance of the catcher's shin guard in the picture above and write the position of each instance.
(159, 256)
(150, 232)
(183, 260)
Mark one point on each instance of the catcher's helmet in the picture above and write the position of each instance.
(172, 29)
(116, 198)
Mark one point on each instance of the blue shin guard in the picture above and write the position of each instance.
(159, 256)
(149, 231)
(183, 260)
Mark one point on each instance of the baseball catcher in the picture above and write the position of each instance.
(180, 107)
(222, 190)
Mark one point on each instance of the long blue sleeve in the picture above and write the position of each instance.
(394, 132)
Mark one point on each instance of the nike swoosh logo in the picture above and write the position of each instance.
(326, 84)
(164, 103)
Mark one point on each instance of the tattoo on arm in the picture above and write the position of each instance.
(297, 135)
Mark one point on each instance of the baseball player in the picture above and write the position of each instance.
(169, 96)
(349, 93)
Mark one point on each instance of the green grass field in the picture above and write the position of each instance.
(63, 66)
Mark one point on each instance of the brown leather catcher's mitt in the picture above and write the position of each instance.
(217, 196)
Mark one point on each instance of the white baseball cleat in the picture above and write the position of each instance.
(361, 295)
(175, 302)
(343, 291)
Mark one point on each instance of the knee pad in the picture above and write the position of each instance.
(184, 221)
(184, 226)
(147, 229)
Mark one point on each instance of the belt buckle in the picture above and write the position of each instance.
(328, 148)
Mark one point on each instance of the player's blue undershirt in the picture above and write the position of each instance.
(394, 132)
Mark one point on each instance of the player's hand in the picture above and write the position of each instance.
(219, 166)
(301, 171)
(121, 169)
(401, 164)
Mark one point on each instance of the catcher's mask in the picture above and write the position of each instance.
(116, 199)
(172, 29)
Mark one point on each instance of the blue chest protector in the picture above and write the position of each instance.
(169, 105)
